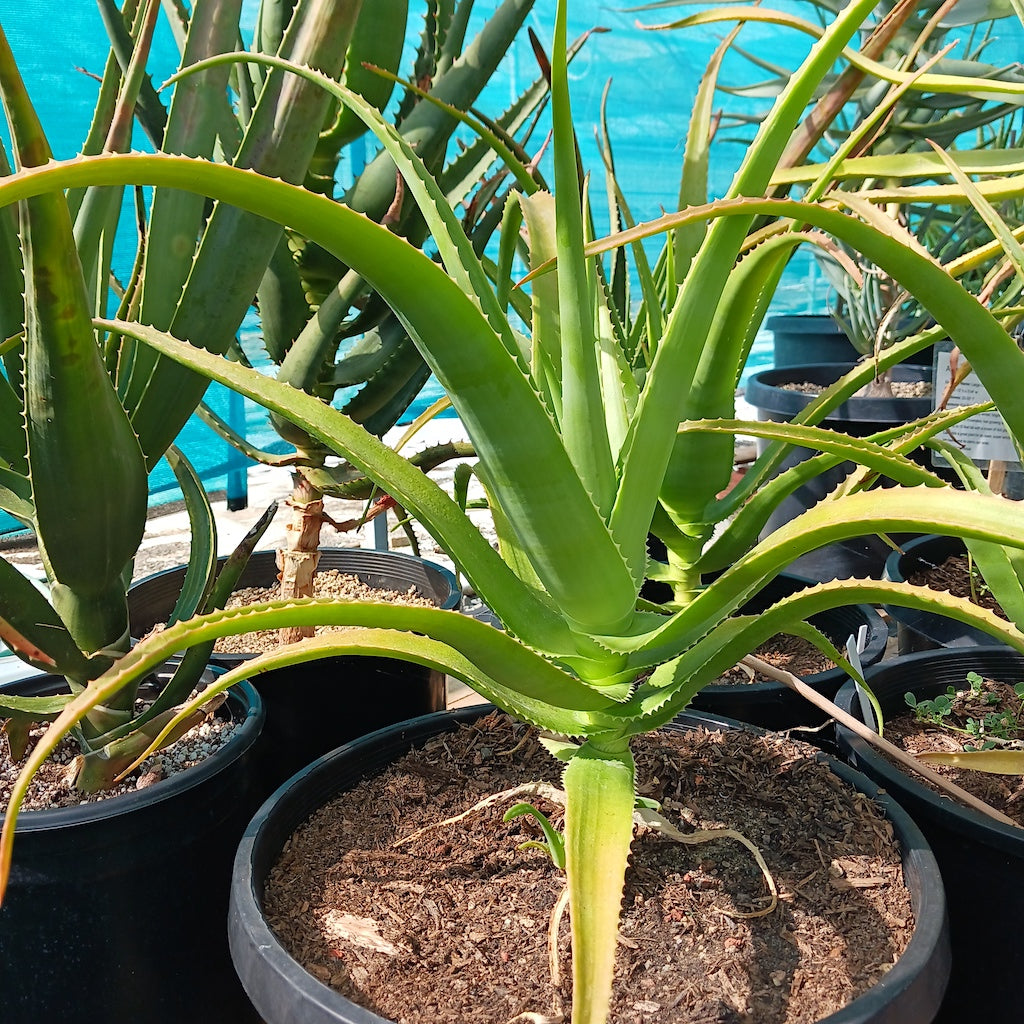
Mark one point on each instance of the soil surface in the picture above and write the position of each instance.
(453, 925)
(53, 783)
(326, 583)
(961, 578)
(1004, 792)
(900, 388)
(789, 653)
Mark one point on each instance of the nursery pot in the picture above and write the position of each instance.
(981, 860)
(802, 338)
(773, 705)
(918, 630)
(115, 909)
(858, 417)
(284, 993)
(315, 706)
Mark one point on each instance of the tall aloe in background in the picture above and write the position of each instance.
(579, 456)
(321, 324)
(858, 117)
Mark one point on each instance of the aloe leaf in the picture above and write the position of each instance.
(32, 629)
(996, 224)
(897, 167)
(600, 790)
(223, 429)
(1001, 567)
(751, 511)
(973, 328)
(96, 218)
(428, 128)
(82, 453)
(21, 714)
(498, 587)
(674, 683)
(195, 661)
(693, 185)
(377, 39)
(192, 130)
(159, 395)
(995, 762)
(469, 166)
(152, 114)
(647, 453)
(888, 510)
(202, 560)
(966, 85)
(573, 542)
(582, 416)
(99, 767)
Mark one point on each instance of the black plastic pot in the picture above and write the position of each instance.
(801, 338)
(918, 630)
(771, 705)
(286, 994)
(858, 417)
(115, 909)
(981, 860)
(315, 706)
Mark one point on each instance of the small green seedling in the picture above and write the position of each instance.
(991, 728)
(553, 844)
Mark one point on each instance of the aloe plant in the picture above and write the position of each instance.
(322, 327)
(87, 413)
(582, 446)
(855, 115)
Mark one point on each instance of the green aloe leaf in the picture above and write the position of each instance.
(86, 469)
(202, 558)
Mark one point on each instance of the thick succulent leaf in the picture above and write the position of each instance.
(908, 167)
(889, 510)
(377, 39)
(582, 416)
(647, 453)
(600, 791)
(441, 322)
(995, 762)
(176, 217)
(202, 559)
(34, 632)
(500, 589)
(152, 115)
(236, 246)
(751, 511)
(674, 683)
(427, 128)
(965, 85)
(96, 217)
(16, 496)
(87, 472)
(976, 331)
(196, 658)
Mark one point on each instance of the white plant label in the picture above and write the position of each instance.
(984, 437)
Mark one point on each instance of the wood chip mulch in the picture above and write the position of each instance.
(955, 575)
(789, 653)
(454, 926)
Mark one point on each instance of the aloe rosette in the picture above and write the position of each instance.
(579, 454)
